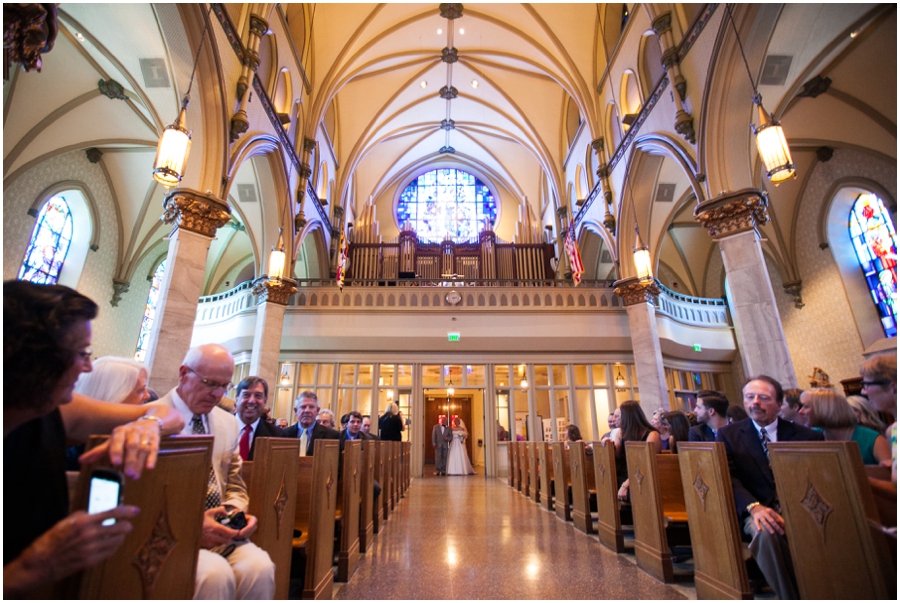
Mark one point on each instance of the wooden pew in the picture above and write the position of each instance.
(350, 482)
(609, 519)
(406, 459)
(398, 487)
(271, 480)
(720, 570)
(534, 471)
(317, 491)
(385, 450)
(523, 469)
(657, 502)
(545, 456)
(510, 465)
(158, 559)
(583, 487)
(517, 476)
(561, 481)
(378, 475)
(832, 523)
(367, 500)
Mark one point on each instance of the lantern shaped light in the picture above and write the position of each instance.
(642, 258)
(276, 264)
(773, 147)
(172, 151)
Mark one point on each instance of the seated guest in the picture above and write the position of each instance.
(119, 380)
(502, 434)
(633, 427)
(46, 346)
(829, 411)
(353, 431)
(677, 424)
(573, 434)
(661, 426)
(711, 411)
(735, 414)
(692, 418)
(306, 429)
(326, 418)
(281, 423)
(746, 444)
(229, 566)
(865, 414)
(345, 418)
(879, 385)
(613, 421)
(367, 427)
(792, 407)
(252, 394)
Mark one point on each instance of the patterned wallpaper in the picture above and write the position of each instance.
(115, 329)
(823, 333)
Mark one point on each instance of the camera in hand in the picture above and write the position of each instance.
(236, 520)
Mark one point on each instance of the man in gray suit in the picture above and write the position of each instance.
(440, 439)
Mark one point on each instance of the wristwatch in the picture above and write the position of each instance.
(153, 418)
(751, 505)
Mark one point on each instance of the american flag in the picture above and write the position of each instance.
(573, 255)
(342, 262)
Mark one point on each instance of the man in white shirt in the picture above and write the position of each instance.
(252, 394)
(229, 566)
(746, 443)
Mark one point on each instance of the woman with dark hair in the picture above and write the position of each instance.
(46, 346)
(634, 427)
(736, 413)
(679, 427)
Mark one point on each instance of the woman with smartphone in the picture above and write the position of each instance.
(46, 346)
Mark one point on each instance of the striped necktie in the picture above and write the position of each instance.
(213, 496)
(764, 439)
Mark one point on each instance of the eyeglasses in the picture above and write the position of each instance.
(871, 383)
(209, 383)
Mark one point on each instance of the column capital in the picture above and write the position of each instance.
(258, 25)
(733, 213)
(662, 24)
(597, 145)
(197, 212)
(634, 291)
(309, 144)
(275, 290)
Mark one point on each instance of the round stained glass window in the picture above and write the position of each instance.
(447, 204)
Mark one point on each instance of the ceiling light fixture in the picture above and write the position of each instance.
(620, 380)
(461, 30)
(474, 83)
(175, 142)
(770, 140)
(424, 84)
(79, 37)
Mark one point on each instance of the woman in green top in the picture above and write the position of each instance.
(830, 412)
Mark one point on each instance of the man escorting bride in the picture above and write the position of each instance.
(458, 463)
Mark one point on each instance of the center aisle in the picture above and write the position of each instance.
(477, 538)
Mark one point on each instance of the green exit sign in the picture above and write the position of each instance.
(452, 336)
(697, 347)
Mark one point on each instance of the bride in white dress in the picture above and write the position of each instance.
(458, 463)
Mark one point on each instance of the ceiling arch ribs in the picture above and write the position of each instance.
(150, 241)
(126, 261)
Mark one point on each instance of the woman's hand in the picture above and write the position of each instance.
(134, 444)
(623, 491)
(77, 542)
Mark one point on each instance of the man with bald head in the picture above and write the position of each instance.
(229, 566)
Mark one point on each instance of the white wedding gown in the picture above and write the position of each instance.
(458, 463)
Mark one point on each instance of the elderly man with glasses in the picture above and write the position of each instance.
(229, 566)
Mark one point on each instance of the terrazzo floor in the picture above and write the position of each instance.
(477, 538)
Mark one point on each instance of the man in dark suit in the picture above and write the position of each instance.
(251, 397)
(746, 443)
(306, 429)
(710, 410)
(354, 428)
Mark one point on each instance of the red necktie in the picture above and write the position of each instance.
(245, 443)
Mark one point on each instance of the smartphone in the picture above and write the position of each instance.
(106, 492)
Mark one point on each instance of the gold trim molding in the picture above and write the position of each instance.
(733, 213)
(197, 212)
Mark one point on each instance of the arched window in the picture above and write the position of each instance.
(875, 241)
(447, 203)
(149, 313)
(49, 243)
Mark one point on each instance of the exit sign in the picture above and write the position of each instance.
(452, 336)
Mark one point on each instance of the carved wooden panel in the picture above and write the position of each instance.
(348, 551)
(545, 456)
(367, 491)
(562, 481)
(582, 472)
(609, 522)
(323, 504)
(651, 548)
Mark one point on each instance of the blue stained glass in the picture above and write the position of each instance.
(875, 242)
(49, 245)
(447, 203)
(149, 313)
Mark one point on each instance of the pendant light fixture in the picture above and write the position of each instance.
(175, 142)
(620, 380)
(770, 140)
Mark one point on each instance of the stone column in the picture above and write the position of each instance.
(272, 299)
(640, 298)
(196, 216)
(732, 219)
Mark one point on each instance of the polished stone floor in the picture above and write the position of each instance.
(476, 538)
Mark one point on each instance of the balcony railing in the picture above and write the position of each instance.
(701, 311)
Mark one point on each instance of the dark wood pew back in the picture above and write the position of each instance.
(351, 478)
(545, 457)
(561, 481)
(367, 499)
(583, 488)
(534, 471)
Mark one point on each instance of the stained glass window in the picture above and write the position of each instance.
(447, 203)
(875, 241)
(49, 244)
(149, 313)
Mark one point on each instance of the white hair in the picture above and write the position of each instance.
(112, 379)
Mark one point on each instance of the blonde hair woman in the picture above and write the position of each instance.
(829, 411)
